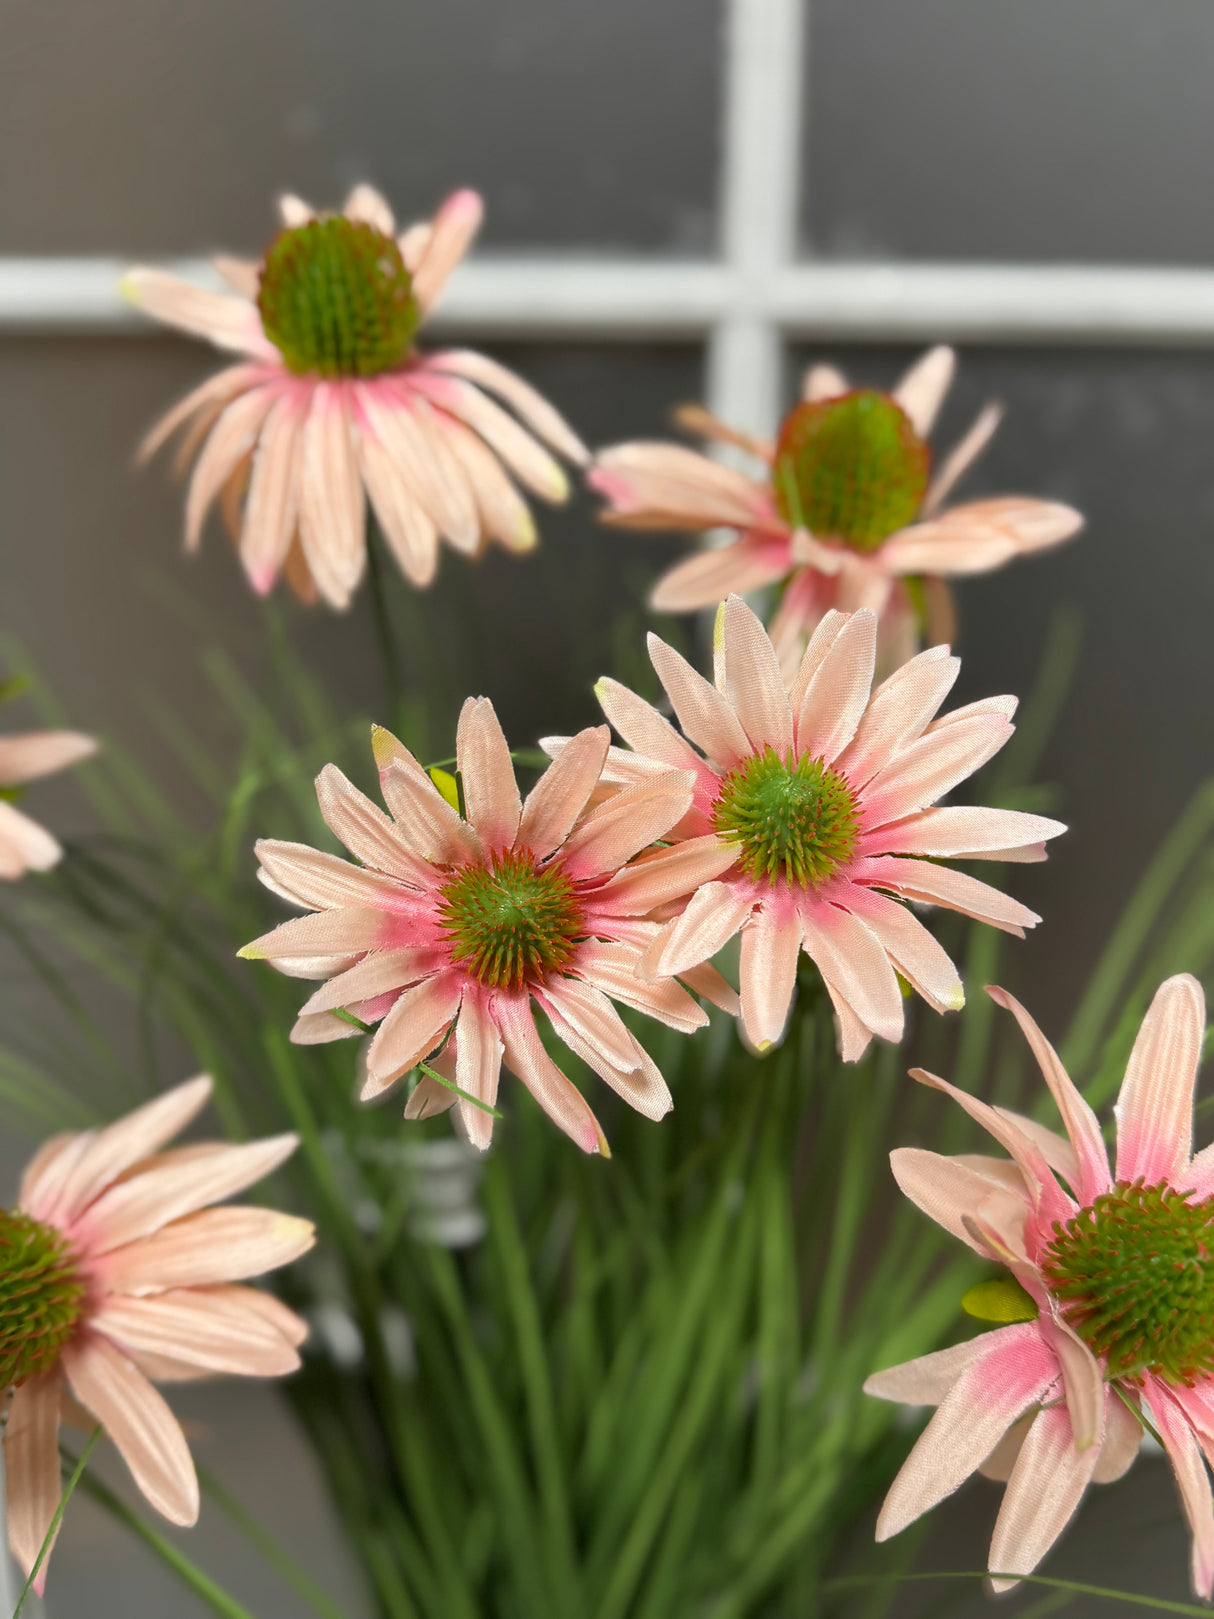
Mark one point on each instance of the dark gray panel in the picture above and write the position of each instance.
(1048, 129)
(1126, 438)
(143, 129)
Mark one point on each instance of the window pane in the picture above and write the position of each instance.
(152, 132)
(1047, 129)
(1124, 437)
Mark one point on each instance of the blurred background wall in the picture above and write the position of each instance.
(949, 132)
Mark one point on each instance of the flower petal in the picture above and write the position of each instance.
(642, 727)
(348, 931)
(627, 822)
(940, 885)
(365, 203)
(214, 1245)
(897, 713)
(451, 235)
(411, 1030)
(1193, 1481)
(916, 953)
(139, 1422)
(930, 767)
(231, 439)
(667, 874)
(365, 830)
(190, 1325)
(713, 915)
(1046, 1486)
(332, 524)
(487, 774)
(962, 832)
(928, 1379)
(639, 1083)
(478, 1066)
(1155, 1107)
(33, 1478)
(754, 683)
(709, 575)
(560, 795)
(852, 958)
(771, 946)
(41, 753)
(531, 406)
(823, 382)
(961, 458)
(407, 526)
(218, 317)
(948, 1189)
(272, 507)
(692, 491)
(554, 1091)
(707, 718)
(612, 968)
(921, 391)
(326, 881)
(837, 694)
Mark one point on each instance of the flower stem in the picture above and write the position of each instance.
(391, 668)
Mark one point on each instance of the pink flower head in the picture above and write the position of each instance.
(331, 403)
(822, 793)
(451, 927)
(128, 1275)
(847, 512)
(1115, 1271)
(24, 845)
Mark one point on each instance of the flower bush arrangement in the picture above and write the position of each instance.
(705, 935)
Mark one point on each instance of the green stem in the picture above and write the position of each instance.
(391, 667)
(274, 1554)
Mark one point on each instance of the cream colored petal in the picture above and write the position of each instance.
(487, 774)
(41, 753)
(405, 429)
(413, 242)
(433, 432)
(826, 632)
(932, 766)
(714, 914)
(326, 881)
(411, 1030)
(1055, 1149)
(272, 507)
(899, 710)
(332, 520)
(292, 1327)
(1123, 1436)
(243, 276)
(226, 321)
(33, 1478)
(320, 1029)
(171, 1184)
(628, 822)
(189, 1325)
(852, 1037)
(667, 874)
(560, 795)
(48, 1171)
(139, 1422)
(838, 693)
(452, 231)
(365, 830)
(428, 1099)
(407, 526)
(1046, 1486)
(120, 1145)
(530, 463)
(205, 402)
(706, 982)
(557, 1095)
(24, 845)
(646, 477)
(348, 931)
(946, 1189)
(771, 945)
(367, 205)
(709, 575)
(1155, 1107)
(957, 890)
(754, 683)
(921, 391)
(502, 512)
(293, 211)
(706, 717)
(522, 398)
(478, 1066)
(214, 1245)
(961, 458)
(231, 439)
(1192, 1480)
(854, 960)
(823, 382)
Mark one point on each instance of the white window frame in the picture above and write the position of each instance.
(747, 303)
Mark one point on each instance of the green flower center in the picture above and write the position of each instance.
(336, 299)
(41, 1296)
(511, 925)
(1134, 1274)
(791, 818)
(851, 468)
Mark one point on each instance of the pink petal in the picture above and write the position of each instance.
(1010, 1374)
(528, 461)
(1082, 1376)
(713, 915)
(411, 438)
(709, 575)
(591, 1015)
(1081, 1124)
(189, 1325)
(1123, 1436)
(853, 1038)
(326, 881)
(411, 1030)
(689, 488)
(139, 1422)
(1046, 1486)
(273, 1310)
(205, 402)
(851, 957)
(826, 633)
(915, 952)
(754, 683)
(531, 406)
(219, 318)
(897, 713)
(24, 845)
(838, 693)
(961, 458)
(557, 1095)
(921, 391)
(707, 718)
(612, 968)
(116, 1148)
(940, 885)
(32, 1473)
(979, 537)
(1057, 1150)
(478, 1066)
(639, 1083)
(48, 1172)
(41, 753)
(502, 512)
(560, 795)
(1184, 1453)
(375, 974)
(928, 1379)
(294, 211)
(428, 1098)
(771, 946)
(332, 522)
(629, 821)
(424, 819)
(642, 727)
(487, 775)
(365, 830)
(451, 235)
(823, 382)
(948, 1189)
(407, 526)
(165, 1187)
(214, 1245)
(962, 832)
(1155, 1107)
(326, 933)
(927, 769)
(272, 507)
(366, 204)
(666, 874)
(231, 439)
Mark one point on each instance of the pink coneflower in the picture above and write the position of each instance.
(332, 403)
(822, 793)
(1111, 1290)
(451, 928)
(24, 845)
(115, 1271)
(847, 511)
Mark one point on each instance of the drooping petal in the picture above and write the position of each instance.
(961, 458)
(917, 954)
(24, 845)
(854, 960)
(1193, 1481)
(231, 439)
(558, 798)
(411, 1030)
(375, 974)
(1046, 1486)
(528, 461)
(612, 969)
(33, 1478)
(948, 1189)
(487, 774)
(332, 505)
(214, 1245)
(478, 1066)
(531, 406)
(136, 1418)
(590, 1013)
(407, 526)
(713, 915)
(557, 1095)
(771, 945)
(1155, 1107)
(1123, 1436)
(272, 508)
(640, 1083)
(1012, 1372)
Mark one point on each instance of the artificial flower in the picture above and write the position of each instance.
(451, 927)
(847, 511)
(331, 403)
(116, 1271)
(822, 791)
(1115, 1273)
(24, 845)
